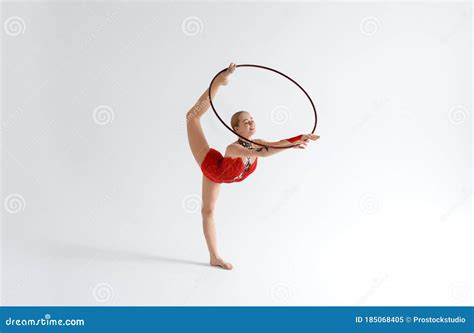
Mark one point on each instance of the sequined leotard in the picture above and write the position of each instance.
(221, 169)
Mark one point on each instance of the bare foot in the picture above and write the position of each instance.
(221, 263)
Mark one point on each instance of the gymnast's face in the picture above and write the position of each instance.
(247, 126)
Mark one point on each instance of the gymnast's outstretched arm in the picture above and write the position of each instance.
(264, 151)
(281, 143)
(299, 142)
(303, 138)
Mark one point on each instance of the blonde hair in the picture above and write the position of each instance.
(234, 121)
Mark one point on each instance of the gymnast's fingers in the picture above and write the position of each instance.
(303, 141)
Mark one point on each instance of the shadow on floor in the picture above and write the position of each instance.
(91, 252)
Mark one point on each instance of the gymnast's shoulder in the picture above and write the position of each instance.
(231, 150)
(236, 150)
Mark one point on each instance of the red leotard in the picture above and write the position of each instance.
(222, 169)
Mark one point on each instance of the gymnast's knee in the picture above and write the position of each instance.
(192, 115)
(207, 211)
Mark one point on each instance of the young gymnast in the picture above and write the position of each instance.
(238, 162)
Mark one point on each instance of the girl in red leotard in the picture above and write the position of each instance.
(239, 161)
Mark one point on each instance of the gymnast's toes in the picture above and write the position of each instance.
(221, 263)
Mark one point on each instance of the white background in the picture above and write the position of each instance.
(377, 212)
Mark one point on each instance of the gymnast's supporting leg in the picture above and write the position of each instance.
(210, 193)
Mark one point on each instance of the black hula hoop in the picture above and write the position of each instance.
(273, 70)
